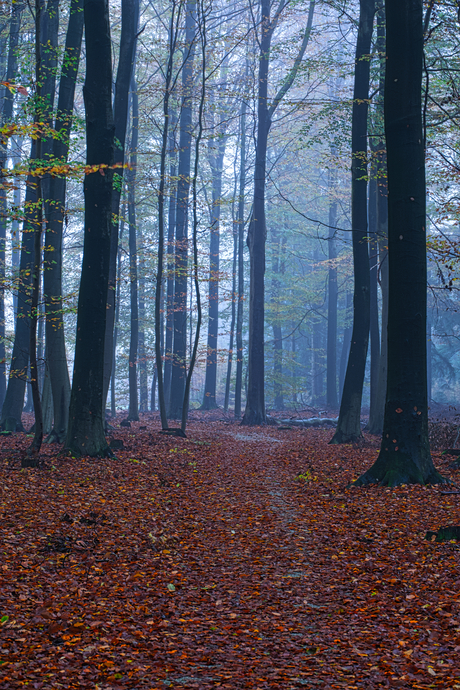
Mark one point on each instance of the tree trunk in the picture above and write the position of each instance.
(373, 296)
(405, 452)
(375, 425)
(113, 378)
(133, 412)
(255, 402)
(143, 390)
(7, 114)
(55, 214)
(332, 297)
(254, 413)
(216, 161)
(349, 423)
(14, 398)
(277, 268)
(232, 321)
(169, 329)
(85, 434)
(126, 59)
(179, 359)
(240, 297)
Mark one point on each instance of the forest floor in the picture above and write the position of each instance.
(235, 558)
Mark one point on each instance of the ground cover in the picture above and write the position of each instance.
(234, 558)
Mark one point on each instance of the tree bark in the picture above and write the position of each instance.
(240, 296)
(278, 269)
(55, 214)
(126, 59)
(255, 402)
(216, 163)
(404, 456)
(332, 297)
(85, 434)
(179, 358)
(349, 423)
(133, 412)
(7, 114)
(254, 413)
(14, 398)
(169, 326)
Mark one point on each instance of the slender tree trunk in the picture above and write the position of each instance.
(55, 214)
(201, 29)
(375, 424)
(373, 296)
(232, 324)
(216, 160)
(332, 297)
(6, 116)
(349, 423)
(255, 402)
(405, 451)
(85, 434)
(179, 359)
(126, 59)
(133, 413)
(159, 288)
(240, 296)
(278, 402)
(143, 390)
(169, 329)
(14, 398)
(113, 378)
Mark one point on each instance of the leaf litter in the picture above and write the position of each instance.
(224, 560)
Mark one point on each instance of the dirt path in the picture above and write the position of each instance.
(204, 563)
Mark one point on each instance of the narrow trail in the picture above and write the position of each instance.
(235, 558)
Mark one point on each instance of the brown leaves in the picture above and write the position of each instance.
(209, 563)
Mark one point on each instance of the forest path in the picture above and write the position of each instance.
(234, 558)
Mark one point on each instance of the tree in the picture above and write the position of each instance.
(55, 214)
(85, 434)
(133, 412)
(14, 398)
(178, 374)
(349, 422)
(404, 456)
(216, 153)
(6, 116)
(255, 402)
(126, 60)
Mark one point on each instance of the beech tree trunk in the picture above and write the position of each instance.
(216, 161)
(14, 398)
(254, 413)
(7, 113)
(55, 213)
(133, 412)
(278, 269)
(240, 296)
(85, 434)
(126, 59)
(404, 456)
(349, 423)
(332, 297)
(255, 401)
(179, 358)
(169, 321)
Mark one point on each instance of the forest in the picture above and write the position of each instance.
(229, 440)
(244, 268)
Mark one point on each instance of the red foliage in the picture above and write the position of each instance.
(235, 558)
